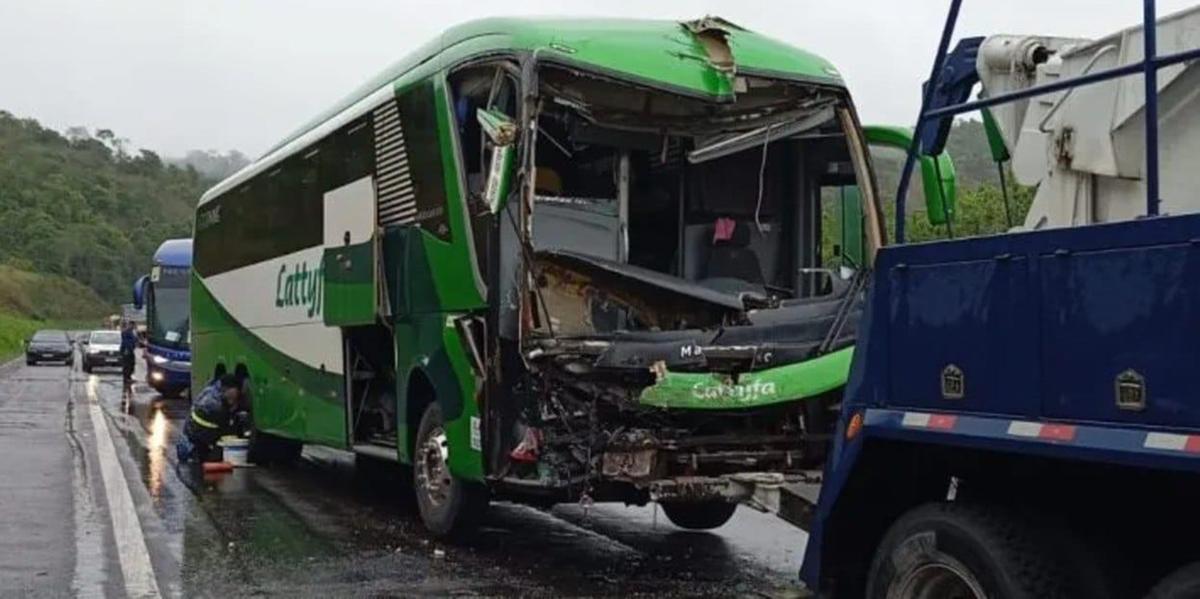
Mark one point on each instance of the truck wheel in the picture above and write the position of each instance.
(1183, 583)
(962, 551)
(705, 515)
(449, 506)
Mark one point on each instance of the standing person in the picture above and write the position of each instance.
(129, 343)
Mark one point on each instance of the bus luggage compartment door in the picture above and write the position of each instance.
(349, 263)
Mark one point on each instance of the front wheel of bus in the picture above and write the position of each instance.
(705, 515)
(449, 506)
(269, 449)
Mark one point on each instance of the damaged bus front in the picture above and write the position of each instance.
(680, 273)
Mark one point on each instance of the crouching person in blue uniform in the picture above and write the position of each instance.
(216, 412)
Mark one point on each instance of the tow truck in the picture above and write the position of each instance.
(1020, 418)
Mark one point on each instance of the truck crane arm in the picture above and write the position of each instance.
(1082, 147)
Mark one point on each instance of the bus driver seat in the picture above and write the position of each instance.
(731, 256)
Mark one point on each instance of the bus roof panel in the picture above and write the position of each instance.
(653, 52)
(174, 252)
(661, 52)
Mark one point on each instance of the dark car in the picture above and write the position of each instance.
(49, 346)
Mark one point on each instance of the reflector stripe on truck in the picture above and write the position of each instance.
(1133, 444)
(943, 422)
(1172, 442)
(1041, 430)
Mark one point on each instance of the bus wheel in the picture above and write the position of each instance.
(449, 506)
(1183, 583)
(962, 551)
(705, 515)
(269, 449)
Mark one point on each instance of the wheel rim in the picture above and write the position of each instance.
(941, 580)
(433, 473)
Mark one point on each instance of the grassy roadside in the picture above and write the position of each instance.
(30, 301)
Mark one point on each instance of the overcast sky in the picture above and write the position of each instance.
(174, 75)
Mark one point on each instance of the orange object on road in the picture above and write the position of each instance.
(218, 467)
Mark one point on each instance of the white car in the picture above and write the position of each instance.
(103, 348)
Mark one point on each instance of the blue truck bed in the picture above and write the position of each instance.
(1073, 344)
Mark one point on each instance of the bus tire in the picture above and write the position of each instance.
(449, 506)
(953, 549)
(703, 515)
(266, 448)
(1183, 583)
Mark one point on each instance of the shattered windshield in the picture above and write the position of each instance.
(723, 198)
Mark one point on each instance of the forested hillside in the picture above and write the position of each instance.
(85, 206)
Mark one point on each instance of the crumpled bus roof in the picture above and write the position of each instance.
(662, 52)
(653, 52)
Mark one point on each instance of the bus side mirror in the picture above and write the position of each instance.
(937, 172)
(501, 134)
(941, 188)
(139, 291)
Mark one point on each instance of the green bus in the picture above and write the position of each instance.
(555, 260)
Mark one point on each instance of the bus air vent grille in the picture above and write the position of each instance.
(397, 203)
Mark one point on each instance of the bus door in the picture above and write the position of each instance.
(349, 264)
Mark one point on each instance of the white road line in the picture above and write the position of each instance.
(89, 535)
(127, 529)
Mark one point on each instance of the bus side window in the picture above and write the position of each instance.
(842, 243)
(486, 87)
(418, 113)
(474, 88)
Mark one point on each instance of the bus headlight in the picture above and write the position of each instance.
(158, 360)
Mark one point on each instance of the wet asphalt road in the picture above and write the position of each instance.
(319, 528)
